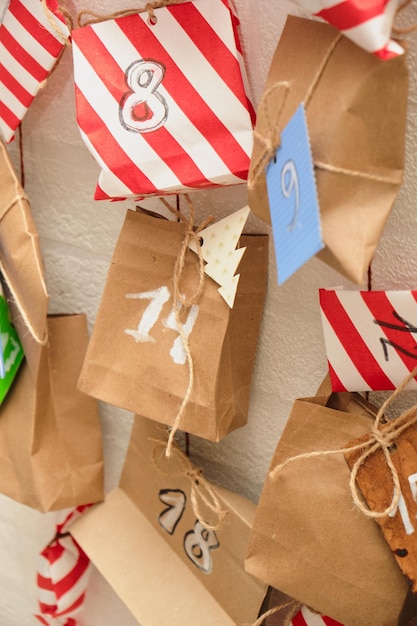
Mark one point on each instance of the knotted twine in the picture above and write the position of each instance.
(183, 302)
(272, 141)
(202, 492)
(149, 7)
(382, 437)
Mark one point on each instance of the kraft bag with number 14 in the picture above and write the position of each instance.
(177, 556)
(356, 107)
(162, 99)
(136, 357)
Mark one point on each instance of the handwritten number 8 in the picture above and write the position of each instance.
(290, 187)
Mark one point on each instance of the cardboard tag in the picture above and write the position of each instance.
(11, 351)
(376, 485)
(370, 338)
(293, 199)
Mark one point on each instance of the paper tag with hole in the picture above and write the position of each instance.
(11, 351)
(375, 482)
(293, 200)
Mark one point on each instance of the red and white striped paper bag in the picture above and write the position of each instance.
(370, 338)
(63, 576)
(305, 617)
(29, 48)
(368, 24)
(163, 104)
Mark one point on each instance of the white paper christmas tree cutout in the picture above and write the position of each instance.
(219, 251)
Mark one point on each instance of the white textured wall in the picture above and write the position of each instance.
(77, 238)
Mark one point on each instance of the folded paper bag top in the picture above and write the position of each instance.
(149, 541)
(309, 540)
(356, 108)
(143, 366)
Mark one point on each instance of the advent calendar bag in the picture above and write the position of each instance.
(50, 437)
(177, 557)
(357, 138)
(308, 538)
(32, 36)
(21, 263)
(136, 357)
(370, 338)
(161, 100)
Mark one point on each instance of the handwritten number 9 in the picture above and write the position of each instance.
(290, 187)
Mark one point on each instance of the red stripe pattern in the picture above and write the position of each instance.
(370, 338)
(29, 48)
(305, 617)
(366, 22)
(164, 107)
(63, 575)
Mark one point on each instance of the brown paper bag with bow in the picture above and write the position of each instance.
(308, 538)
(356, 108)
(50, 437)
(136, 358)
(170, 543)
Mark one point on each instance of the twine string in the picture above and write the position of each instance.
(202, 492)
(270, 145)
(97, 17)
(68, 22)
(183, 302)
(272, 141)
(295, 607)
(406, 30)
(379, 438)
(18, 199)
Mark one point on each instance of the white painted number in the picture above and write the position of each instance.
(159, 297)
(143, 109)
(402, 507)
(198, 544)
(169, 518)
(177, 351)
(289, 187)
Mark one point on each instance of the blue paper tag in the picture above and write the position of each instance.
(293, 199)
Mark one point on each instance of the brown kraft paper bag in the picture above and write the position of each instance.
(356, 107)
(164, 563)
(21, 262)
(50, 437)
(133, 359)
(308, 538)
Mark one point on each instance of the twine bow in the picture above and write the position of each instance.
(381, 437)
(202, 492)
(183, 302)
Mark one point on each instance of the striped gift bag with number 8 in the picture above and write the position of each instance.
(162, 103)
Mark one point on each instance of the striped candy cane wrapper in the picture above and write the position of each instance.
(63, 575)
(368, 24)
(29, 48)
(370, 338)
(163, 104)
(305, 617)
